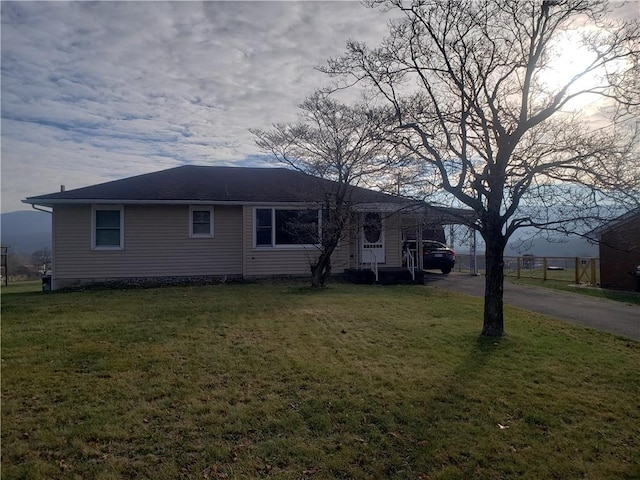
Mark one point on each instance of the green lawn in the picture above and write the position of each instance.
(278, 381)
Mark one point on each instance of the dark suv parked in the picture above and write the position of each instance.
(435, 255)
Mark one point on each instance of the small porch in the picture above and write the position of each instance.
(379, 246)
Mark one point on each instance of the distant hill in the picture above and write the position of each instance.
(572, 246)
(524, 242)
(25, 231)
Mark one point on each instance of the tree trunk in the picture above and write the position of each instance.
(321, 270)
(494, 288)
(333, 225)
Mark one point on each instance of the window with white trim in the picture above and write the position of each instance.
(107, 227)
(200, 221)
(279, 227)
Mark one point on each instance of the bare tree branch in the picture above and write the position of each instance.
(345, 144)
(478, 95)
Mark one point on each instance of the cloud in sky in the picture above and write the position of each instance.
(94, 91)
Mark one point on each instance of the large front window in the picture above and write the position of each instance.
(275, 227)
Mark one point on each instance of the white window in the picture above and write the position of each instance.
(200, 221)
(279, 227)
(107, 231)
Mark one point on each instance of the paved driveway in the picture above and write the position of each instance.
(602, 314)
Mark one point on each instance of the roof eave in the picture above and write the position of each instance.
(101, 201)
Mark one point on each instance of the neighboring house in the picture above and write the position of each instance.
(619, 244)
(199, 222)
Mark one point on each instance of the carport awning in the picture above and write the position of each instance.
(428, 214)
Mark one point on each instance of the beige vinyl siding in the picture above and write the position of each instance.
(393, 241)
(340, 257)
(156, 244)
(282, 261)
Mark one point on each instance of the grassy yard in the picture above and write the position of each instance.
(278, 381)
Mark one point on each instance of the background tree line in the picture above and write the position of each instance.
(23, 266)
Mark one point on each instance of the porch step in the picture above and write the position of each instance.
(363, 276)
(386, 276)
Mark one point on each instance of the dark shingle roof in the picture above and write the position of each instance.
(213, 184)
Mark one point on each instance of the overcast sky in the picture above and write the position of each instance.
(92, 92)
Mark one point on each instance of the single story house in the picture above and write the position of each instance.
(619, 245)
(195, 222)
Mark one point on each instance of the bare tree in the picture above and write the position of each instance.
(480, 101)
(336, 142)
(42, 259)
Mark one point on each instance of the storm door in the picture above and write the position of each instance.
(372, 238)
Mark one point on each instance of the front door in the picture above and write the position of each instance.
(372, 238)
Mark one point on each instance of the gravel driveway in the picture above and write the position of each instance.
(607, 315)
